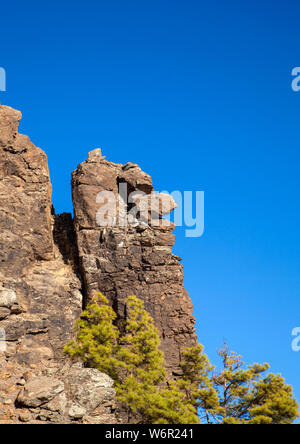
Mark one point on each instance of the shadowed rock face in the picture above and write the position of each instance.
(121, 261)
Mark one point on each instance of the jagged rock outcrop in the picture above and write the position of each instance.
(50, 266)
(132, 259)
(25, 199)
(40, 294)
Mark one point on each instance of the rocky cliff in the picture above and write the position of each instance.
(51, 265)
(132, 259)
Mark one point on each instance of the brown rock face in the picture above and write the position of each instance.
(25, 198)
(54, 394)
(39, 292)
(123, 260)
(50, 266)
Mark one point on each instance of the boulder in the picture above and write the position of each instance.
(39, 391)
(89, 387)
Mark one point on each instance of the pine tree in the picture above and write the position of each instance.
(96, 338)
(133, 360)
(238, 394)
(144, 391)
(196, 382)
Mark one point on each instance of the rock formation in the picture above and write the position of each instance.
(132, 259)
(40, 291)
(40, 294)
(57, 394)
(50, 266)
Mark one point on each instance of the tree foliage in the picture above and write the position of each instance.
(237, 394)
(96, 338)
(133, 360)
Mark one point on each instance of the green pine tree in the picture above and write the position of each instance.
(96, 338)
(133, 360)
(238, 394)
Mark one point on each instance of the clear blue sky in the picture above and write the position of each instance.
(199, 94)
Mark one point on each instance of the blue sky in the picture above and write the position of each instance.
(198, 93)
